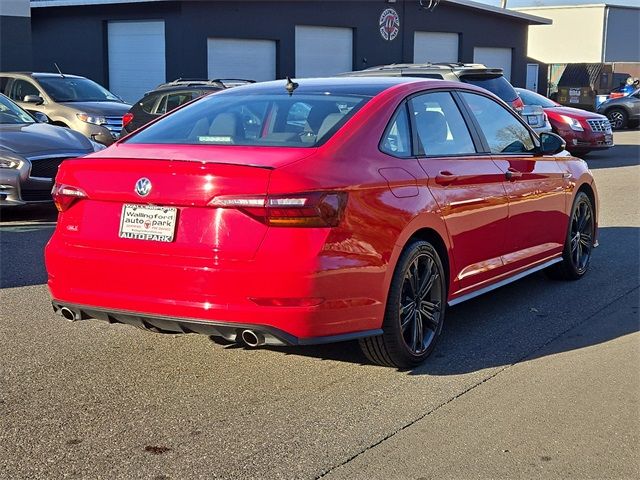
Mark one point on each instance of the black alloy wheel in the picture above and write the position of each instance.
(579, 242)
(415, 310)
(618, 118)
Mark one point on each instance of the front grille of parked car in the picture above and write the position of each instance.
(598, 125)
(46, 167)
(114, 125)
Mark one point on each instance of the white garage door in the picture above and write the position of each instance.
(323, 51)
(494, 58)
(435, 47)
(241, 58)
(136, 58)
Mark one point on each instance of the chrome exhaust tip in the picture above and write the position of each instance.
(69, 314)
(251, 338)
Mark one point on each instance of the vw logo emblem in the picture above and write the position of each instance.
(143, 187)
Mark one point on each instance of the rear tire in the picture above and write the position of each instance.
(415, 310)
(578, 244)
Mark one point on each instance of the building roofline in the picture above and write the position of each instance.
(586, 5)
(531, 19)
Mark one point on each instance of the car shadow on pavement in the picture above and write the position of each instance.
(618, 156)
(514, 322)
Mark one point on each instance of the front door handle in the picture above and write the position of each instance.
(512, 174)
(445, 177)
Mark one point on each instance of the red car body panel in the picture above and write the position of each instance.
(310, 283)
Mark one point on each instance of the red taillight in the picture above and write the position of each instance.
(313, 209)
(518, 104)
(64, 196)
(126, 119)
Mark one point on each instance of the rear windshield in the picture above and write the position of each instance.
(261, 119)
(499, 86)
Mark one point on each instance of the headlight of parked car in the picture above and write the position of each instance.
(97, 146)
(10, 160)
(573, 123)
(96, 120)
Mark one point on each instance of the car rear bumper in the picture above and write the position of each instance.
(229, 331)
(310, 300)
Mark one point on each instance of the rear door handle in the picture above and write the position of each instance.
(512, 174)
(445, 177)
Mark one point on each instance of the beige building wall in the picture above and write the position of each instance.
(575, 36)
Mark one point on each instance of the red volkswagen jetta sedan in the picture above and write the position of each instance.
(333, 209)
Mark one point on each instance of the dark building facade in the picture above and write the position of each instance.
(158, 40)
(15, 35)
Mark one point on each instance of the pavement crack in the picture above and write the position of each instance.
(474, 386)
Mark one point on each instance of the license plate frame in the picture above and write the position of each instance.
(148, 222)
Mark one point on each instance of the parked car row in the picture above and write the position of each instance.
(68, 101)
(30, 153)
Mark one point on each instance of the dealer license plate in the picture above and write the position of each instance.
(608, 139)
(148, 222)
(532, 119)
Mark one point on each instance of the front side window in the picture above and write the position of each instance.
(264, 119)
(440, 127)
(503, 131)
(22, 88)
(397, 138)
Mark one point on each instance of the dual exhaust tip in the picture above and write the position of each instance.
(250, 338)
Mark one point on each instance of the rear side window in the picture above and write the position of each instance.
(174, 100)
(397, 138)
(4, 82)
(503, 131)
(148, 102)
(440, 127)
(499, 86)
(265, 119)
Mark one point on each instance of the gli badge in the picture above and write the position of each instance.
(143, 187)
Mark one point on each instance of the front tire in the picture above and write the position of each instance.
(618, 118)
(415, 310)
(578, 245)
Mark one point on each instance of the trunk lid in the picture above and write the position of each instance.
(185, 181)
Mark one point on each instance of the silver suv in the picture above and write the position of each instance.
(68, 101)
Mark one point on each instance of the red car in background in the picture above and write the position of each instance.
(333, 209)
(583, 131)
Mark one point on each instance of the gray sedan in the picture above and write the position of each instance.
(30, 153)
(622, 112)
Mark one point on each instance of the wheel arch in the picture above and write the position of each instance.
(432, 229)
(591, 193)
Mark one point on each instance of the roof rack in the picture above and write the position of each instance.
(219, 82)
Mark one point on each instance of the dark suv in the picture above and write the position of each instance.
(170, 95)
(491, 79)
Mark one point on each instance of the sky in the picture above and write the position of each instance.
(535, 3)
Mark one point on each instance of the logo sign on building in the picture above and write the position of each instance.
(389, 24)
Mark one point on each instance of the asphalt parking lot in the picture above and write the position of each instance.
(539, 379)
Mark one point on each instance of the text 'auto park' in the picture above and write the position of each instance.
(388, 224)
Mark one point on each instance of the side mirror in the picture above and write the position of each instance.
(550, 143)
(35, 99)
(40, 117)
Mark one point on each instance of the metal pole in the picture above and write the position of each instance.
(503, 4)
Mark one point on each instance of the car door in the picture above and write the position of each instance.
(534, 183)
(467, 185)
